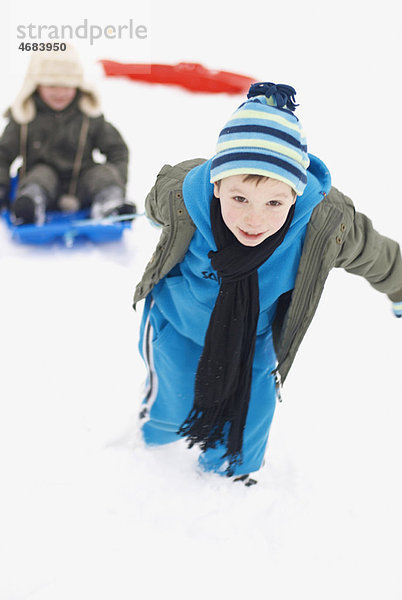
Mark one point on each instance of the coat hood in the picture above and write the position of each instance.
(61, 68)
(198, 192)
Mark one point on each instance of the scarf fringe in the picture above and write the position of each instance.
(195, 429)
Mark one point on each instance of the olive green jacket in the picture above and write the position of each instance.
(337, 236)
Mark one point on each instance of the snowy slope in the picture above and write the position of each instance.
(85, 510)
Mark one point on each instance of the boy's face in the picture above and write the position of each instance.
(56, 96)
(254, 211)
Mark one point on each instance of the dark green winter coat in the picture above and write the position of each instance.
(52, 139)
(337, 236)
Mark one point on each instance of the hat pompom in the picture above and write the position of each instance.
(284, 95)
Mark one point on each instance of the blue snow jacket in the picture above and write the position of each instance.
(336, 236)
(187, 295)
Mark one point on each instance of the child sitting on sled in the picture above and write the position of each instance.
(248, 240)
(55, 124)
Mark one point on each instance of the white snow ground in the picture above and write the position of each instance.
(85, 510)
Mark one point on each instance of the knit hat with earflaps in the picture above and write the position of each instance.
(54, 68)
(264, 137)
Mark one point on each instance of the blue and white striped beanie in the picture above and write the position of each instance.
(264, 137)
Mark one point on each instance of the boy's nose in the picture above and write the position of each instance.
(253, 219)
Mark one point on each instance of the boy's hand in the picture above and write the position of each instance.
(397, 309)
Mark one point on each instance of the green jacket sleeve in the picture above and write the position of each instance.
(9, 149)
(111, 144)
(373, 256)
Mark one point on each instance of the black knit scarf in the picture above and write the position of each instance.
(223, 379)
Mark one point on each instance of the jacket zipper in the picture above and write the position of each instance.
(317, 247)
(278, 383)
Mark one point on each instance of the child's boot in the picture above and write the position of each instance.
(246, 479)
(110, 202)
(30, 205)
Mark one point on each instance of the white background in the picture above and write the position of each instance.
(85, 510)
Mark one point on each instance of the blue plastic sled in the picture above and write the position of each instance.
(68, 228)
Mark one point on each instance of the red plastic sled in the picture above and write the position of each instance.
(191, 76)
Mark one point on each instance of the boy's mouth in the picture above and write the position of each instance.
(251, 236)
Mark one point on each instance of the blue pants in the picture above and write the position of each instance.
(172, 361)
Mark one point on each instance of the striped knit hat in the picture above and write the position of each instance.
(264, 137)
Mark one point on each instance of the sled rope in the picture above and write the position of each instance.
(23, 148)
(108, 220)
(78, 157)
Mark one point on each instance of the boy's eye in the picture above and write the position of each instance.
(242, 200)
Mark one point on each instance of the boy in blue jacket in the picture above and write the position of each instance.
(248, 240)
